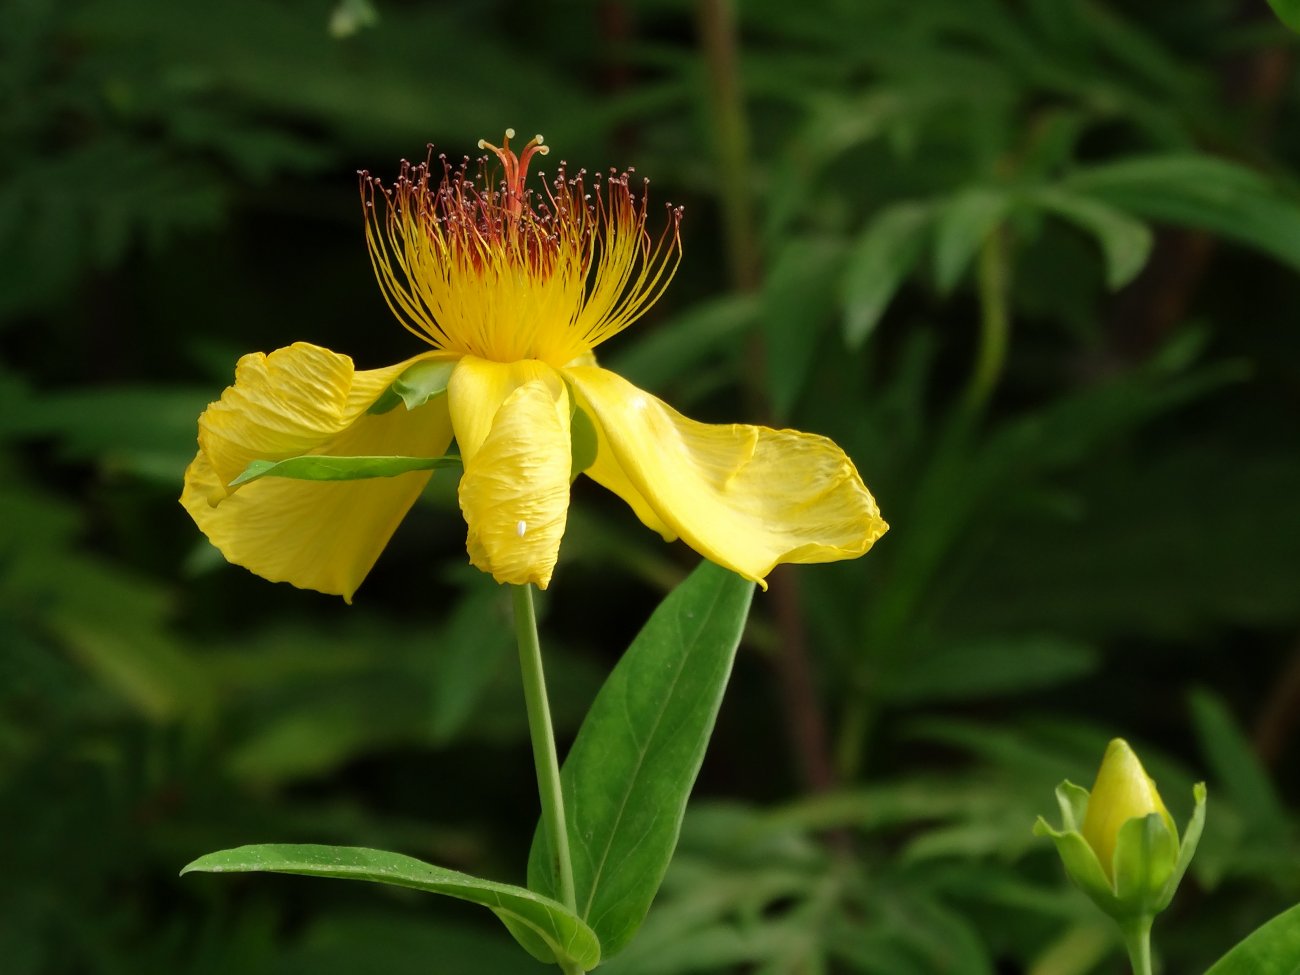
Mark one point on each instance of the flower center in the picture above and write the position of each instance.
(482, 265)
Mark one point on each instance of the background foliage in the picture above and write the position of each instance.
(1032, 263)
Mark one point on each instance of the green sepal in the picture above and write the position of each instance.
(1146, 851)
(415, 387)
(582, 433)
(323, 467)
(1073, 800)
(1082, 865)
(1187, 849)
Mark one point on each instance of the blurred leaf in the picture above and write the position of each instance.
(110, 621)
(968, 670)
(1288, 11)
(1203, 192)
(549, 923)
(962, 225)
(351, 943)
(469, 651)
(1237, 769)
(798, 303)
(1078, 950)
(146, 430)
(660, 355)
(350, 16)
(1125, 242)
(880, 259)
(630, 771)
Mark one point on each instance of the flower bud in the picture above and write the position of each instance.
(1119, 843)
(1123, 791)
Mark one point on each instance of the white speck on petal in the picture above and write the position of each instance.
(520, 528)
(638, 402)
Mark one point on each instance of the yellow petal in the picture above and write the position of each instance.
(1123, 791)
(515, 490)
(477, 389)
(748, 498)
(298, 400)
(286, 404)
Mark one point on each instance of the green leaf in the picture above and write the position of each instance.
(1273, 949)
(415, 387)
(631, 769)
(1227, 199)
(1288, 11)
(963, 225)
(1125, 242)
(543, 923)
(881, 258)
(321, 467)
(971, 669)
(661, 355)
(798, 303)
(1236, 767)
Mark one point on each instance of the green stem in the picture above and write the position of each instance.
(1137, 939)
(995, 321)
(543, 737)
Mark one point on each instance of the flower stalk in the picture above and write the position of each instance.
(542, 735)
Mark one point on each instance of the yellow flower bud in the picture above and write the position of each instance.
(1123, 791)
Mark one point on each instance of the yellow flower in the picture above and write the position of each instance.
(513, 290)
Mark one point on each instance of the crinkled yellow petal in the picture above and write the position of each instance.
(477, 389)
(515, 489)
(748, 498)
(299, 400)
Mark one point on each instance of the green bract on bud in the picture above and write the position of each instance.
(1119, 843)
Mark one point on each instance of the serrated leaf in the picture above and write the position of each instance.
(631, 769)
(1125, 242)
(321, 467)
(539, 919)
(882, 257)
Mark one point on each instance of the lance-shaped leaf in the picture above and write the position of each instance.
(545, 928)
(1273, 949)
(631, 769)
(322, 467)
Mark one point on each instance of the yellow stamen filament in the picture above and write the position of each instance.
(495, 270)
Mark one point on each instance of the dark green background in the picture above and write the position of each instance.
(1105, 542)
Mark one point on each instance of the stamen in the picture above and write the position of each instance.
(507, 273)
